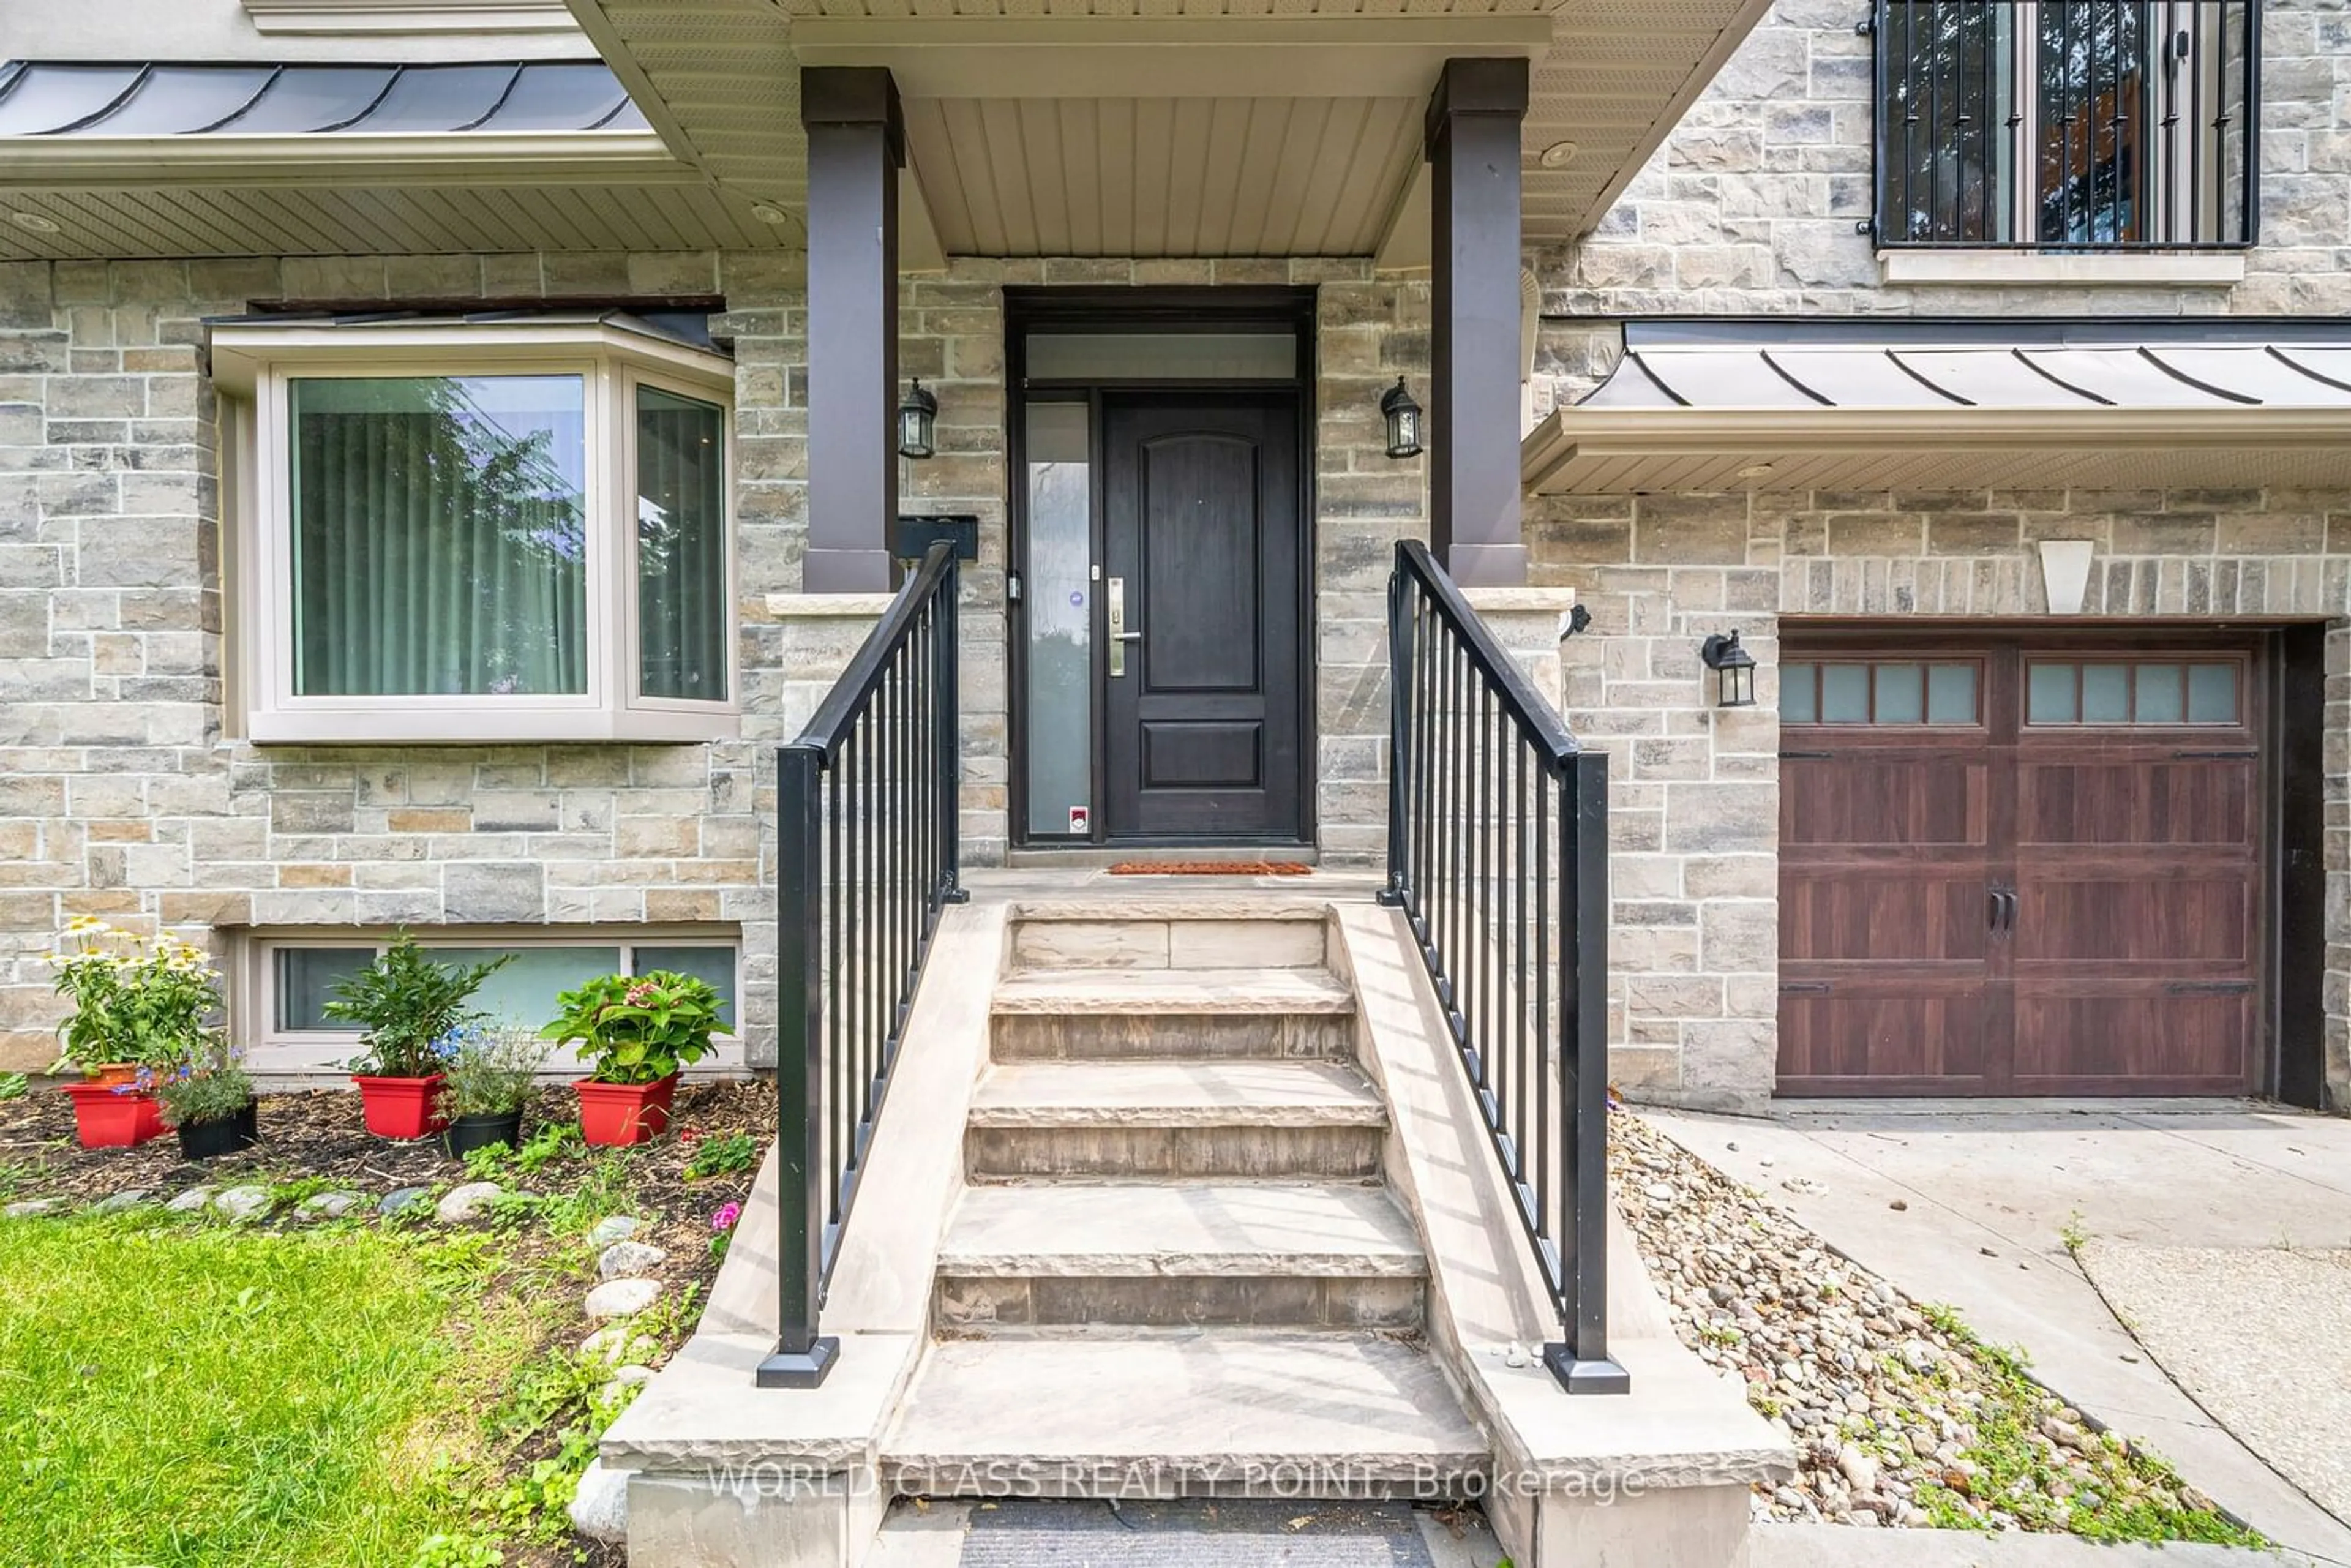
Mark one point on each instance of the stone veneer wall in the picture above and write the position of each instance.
(1749, 209)
(1369, 330)
(1697, 789)
(1749, 206)
(120, 798)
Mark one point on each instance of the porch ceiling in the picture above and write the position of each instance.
(1169, 127)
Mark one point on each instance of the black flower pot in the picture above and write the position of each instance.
(467, 1134)
(222, 1136)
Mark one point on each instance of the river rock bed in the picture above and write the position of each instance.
(1899, 1417)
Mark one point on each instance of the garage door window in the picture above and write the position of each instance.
(1897, 692)
(2159, 692)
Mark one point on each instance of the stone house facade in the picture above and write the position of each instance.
(129, 791)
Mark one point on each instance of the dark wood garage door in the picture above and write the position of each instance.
(2019, 867)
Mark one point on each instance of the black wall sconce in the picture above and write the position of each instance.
(918, 417)
(1734, 670)
(1403, 415)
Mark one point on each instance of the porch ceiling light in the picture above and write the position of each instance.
(1558, 155)
(918, 415)
(1733, 667)
(1403, 415)
(40, 223)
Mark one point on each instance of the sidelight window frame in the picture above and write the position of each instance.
(256, 368)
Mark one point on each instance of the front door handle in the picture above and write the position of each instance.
(1114, 609)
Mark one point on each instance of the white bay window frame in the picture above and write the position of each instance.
(257, 363)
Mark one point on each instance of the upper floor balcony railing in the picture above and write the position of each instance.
(2066, 124)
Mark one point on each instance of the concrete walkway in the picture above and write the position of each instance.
(1812, 1545)
(1958, 1204)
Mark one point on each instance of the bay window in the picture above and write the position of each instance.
(462, 533)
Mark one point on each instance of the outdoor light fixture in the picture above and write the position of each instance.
(1403, 415)
(917, 414)
(1733, 667)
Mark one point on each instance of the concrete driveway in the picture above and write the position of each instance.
(1957, 1203)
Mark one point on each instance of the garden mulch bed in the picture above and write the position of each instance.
(315, 1139)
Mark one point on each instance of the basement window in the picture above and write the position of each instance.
(291, 977)
(481, 533)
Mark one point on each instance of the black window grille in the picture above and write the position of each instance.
(2067, 124)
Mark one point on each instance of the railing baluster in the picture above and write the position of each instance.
(1475, 753)
(866, 846)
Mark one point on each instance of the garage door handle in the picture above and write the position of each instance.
(2003, 911)
(2210, 987)
(2218, 756)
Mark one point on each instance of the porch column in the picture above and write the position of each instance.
(856, 145)
(1473, 141)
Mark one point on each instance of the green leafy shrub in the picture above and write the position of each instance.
(729, 1155)
(638, 1029)
(411, 1008)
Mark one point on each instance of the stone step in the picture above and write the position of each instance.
(1187, 1014)
(1089, 937)
(1065, 1256)
(1146, 1119)
(1308, 1416)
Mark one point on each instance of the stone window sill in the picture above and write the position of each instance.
(1997, 268)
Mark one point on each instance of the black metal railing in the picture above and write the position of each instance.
(865, 862)
(1497, 855)
(2067, 124)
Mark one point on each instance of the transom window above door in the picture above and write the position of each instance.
(1878, 692)
(479, 532)
(2112, 692)
(2096, 124)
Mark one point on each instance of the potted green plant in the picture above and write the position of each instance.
(140, 1004)
(208, 1100)
(639, 1031)
(409, 1007)
(488, 1082)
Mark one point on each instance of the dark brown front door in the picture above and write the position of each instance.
(1201, 539)
(2012, 866)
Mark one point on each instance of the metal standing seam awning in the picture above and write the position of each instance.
(2243, 407)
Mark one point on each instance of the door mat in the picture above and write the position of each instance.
(1198, 1533)
(1210, 868)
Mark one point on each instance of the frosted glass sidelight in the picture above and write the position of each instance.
(1058, 596)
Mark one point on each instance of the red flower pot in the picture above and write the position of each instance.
(106, 1120)
(621, 1113)
(400, 1108)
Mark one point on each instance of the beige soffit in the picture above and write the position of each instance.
(1040, 135)
(1860, 417)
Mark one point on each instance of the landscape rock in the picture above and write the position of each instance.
(614, 1228)
(618, 1344)
(470, 1201)
(32, 1207)
(622, 1298)
(623, 1260)
(190, 1201)
(600, 1506)
(622, 1381)
(331, 1204)
(115, 1203)
(401, 1199)
(243, 1202)
(1884, 1406)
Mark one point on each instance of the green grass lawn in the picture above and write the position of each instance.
(179, 1395)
